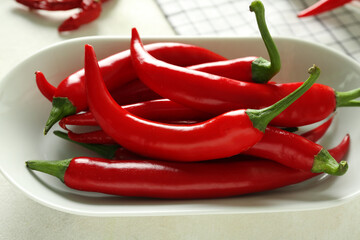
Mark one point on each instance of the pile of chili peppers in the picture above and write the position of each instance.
(89, 10)
(179, 121)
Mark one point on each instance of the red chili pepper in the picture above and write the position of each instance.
(71, 90)
(90, 11)
(98, 138)
(287, 148)
(162, 110)
(219, 94)
(251, 69)
(107, 151)
(315, 134)
(322, 6)
(207, 140)
(174, 180)
(70, 96)
(49, 5)
(44, 86)
(94, 137)
(297, 152)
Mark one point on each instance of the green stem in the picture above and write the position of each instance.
(263, 70)
(61, 107)
(351, 103)
(54, 168)
(262, 117)
(106, 151)
(324, 162)
(343, 98)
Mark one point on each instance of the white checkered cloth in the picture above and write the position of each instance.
(338, 29)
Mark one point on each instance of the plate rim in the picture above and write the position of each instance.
(324, 204)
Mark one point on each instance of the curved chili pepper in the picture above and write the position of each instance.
(94, 137)
(106, 151)
(49, 5)
(71, 90)
(296, 151)
(251, 69)
(70, 96)
(111, 153)
(175, 180)
(90, 11)
(195, 142)
(315, 134)
(100, 137)
(220, 94)
(287, 148)
(162, 110)
(322, 6)
(46, 89)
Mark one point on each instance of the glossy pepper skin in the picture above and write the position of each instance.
(220, 94)
(162, 110)
(174, 180)
(295, 151)
(69, 97)
(99, 137)
(322, 6)
(289, 149)
(195, 142)
(114, 151)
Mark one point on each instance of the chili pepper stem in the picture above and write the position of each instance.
(263, 70)
(343, 98)
(54, 168)
(351, 103)
(61, 107)
(262, 117)
(324, 162)
(106, 151)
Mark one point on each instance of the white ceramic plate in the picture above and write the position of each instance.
(23, 112)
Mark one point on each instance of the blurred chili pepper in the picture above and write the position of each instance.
(89, 10)
(196, 142)
(70, 96)
(51, 5)
(174, 180)
(322, 6)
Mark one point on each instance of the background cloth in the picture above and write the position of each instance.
(339, 29)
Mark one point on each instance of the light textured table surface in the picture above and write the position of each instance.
(25, 33)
